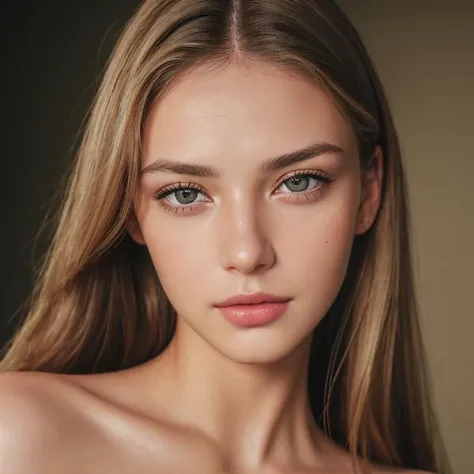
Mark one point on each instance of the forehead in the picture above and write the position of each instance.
(240, 112)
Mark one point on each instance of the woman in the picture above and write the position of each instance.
(229, 288)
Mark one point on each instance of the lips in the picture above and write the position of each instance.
(251, 310)
(250, 299)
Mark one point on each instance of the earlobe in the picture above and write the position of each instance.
(135, 231)
(363, 225)
(371, 193)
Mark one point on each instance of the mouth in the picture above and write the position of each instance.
(250, 310)
(252, 299)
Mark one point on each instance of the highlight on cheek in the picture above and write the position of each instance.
(185, 198)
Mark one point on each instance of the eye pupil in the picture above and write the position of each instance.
(298, 183)
(186, 196)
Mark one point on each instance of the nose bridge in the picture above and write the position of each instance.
(245, 244)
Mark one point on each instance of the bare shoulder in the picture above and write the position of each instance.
(32, 396)
(61, 424)
(24, 409)
(35, 421)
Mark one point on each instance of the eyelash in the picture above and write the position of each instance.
(323, 178)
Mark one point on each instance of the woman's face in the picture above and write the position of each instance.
(234, 220)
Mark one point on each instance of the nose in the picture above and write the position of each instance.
(245, 246)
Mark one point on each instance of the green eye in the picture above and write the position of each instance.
(186, 196)
(297, 183)
(181, 195)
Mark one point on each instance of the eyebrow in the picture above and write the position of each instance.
(270, 164)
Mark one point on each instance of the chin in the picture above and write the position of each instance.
(259, 346)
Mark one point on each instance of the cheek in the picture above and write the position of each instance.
(317, 249)
(180, 260)
(176, 252)
(325, 249)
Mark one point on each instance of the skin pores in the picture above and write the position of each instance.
(248, 231)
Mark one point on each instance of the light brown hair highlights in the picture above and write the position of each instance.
(98, 305)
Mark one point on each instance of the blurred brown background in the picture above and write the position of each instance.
(53, 52)
(424, 53)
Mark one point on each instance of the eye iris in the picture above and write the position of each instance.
(297, 183)
(186, 196)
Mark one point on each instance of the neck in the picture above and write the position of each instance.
(257, 414)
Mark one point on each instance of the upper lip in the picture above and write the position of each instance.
(253, 298)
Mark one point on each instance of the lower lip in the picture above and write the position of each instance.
(248, 315)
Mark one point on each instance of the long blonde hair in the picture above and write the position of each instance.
(98, 304)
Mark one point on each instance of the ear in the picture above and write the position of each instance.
(371, 192)
(135, 231)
